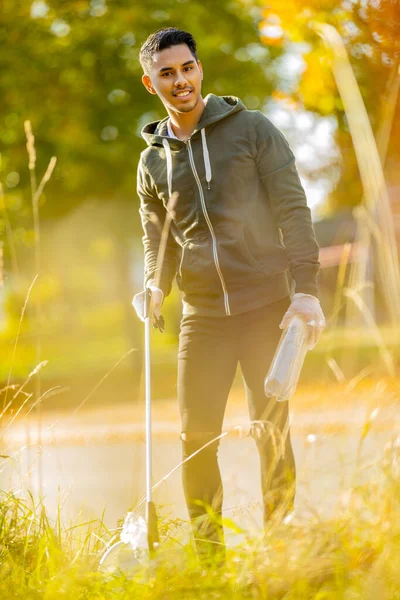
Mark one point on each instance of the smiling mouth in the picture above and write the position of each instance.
(183, 94)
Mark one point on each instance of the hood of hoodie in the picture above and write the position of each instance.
(216, 108)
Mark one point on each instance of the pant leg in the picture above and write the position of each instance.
(260, 334)
(207, 361)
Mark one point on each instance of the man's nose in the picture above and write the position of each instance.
(180, 80)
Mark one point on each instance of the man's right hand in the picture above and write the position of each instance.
(157, 298)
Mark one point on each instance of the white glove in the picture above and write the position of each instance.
(157, 298)
(307, 308)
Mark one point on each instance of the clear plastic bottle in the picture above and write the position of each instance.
(284, 372)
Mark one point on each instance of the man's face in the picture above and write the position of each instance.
(176, 78)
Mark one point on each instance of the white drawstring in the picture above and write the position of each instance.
(168, 157)
(206, 156)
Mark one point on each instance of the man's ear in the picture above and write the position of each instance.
(147, 84)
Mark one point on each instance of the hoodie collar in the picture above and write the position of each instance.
(216, 108)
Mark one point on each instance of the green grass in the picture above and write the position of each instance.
(352, 556)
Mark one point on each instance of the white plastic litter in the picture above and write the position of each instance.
(134, 531)
(130, 554)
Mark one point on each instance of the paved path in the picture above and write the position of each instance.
(95, 461)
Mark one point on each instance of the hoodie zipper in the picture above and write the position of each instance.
(207, 218)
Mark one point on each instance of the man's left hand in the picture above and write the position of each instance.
(307, 308)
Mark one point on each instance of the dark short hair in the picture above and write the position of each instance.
(161, 39)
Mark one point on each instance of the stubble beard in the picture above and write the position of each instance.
(185, 108)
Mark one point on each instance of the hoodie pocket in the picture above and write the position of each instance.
(197, 273)
(274, 257)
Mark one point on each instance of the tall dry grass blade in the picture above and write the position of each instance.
(354, 381)
(364, 433)
(341, 278)
(57, 389)
(45, 179)
(179, 465)
(48, 393)
(36, 194)
(5, 409)
(372, 326)
(337, 304)
(31, 149)
(17, 337)
(96, 387)
(361, 276)
(378, 236)
(388, 110)
(28, 397)
(31, 374)
(30, 146)
(336, 370)
(369, 163)
(9, 387)
(164, 233)
(164, 236)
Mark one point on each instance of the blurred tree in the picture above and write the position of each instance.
(72, 69)
(371, 32)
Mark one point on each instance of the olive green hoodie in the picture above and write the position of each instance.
(241, 217)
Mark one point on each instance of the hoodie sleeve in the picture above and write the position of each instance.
(278, 173)
(152, 213)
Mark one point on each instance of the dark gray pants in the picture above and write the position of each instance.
(209, 351)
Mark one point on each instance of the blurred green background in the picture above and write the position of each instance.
(71, 69)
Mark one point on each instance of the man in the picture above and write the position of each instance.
(239, 219)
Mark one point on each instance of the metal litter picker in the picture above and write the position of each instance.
(151, 516)
(139, 539)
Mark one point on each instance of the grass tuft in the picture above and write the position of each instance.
(354, 555)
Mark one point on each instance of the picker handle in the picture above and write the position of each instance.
(151, 517)
(147, 369)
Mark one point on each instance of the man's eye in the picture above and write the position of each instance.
(188, 68)
(165, 74)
